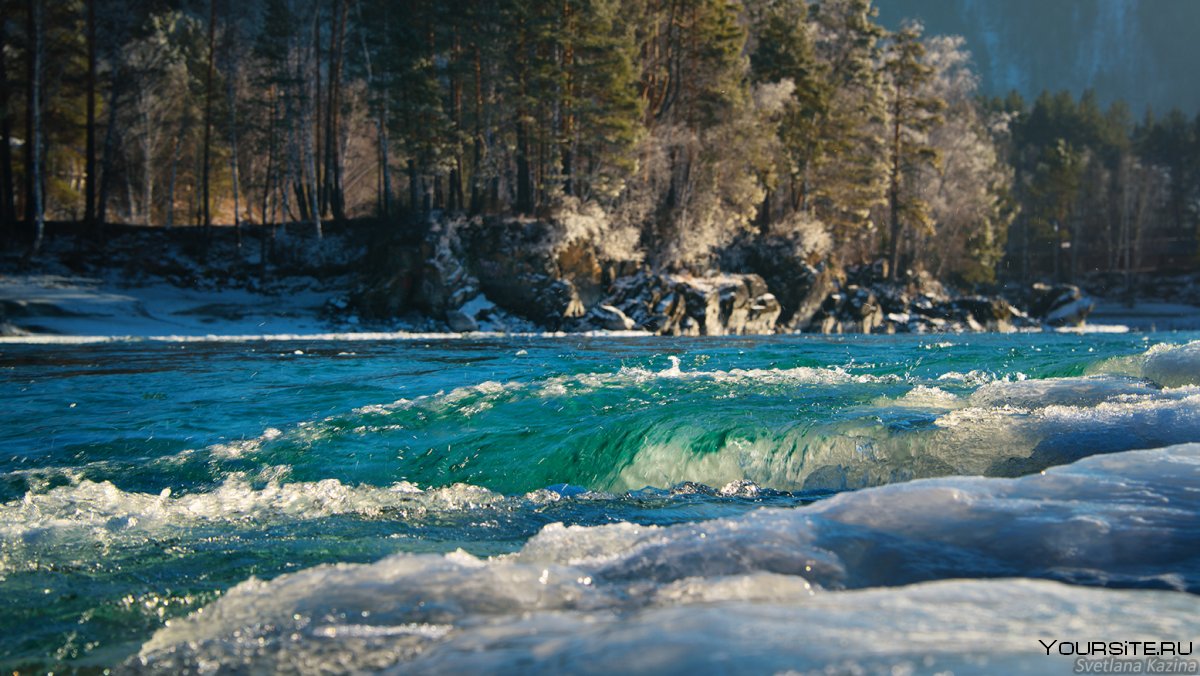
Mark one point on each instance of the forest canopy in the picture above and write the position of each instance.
(675, 126)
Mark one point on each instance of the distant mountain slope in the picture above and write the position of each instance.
(1144, 51)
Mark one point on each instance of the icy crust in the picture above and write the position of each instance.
(761, 592)
(1165, 364)
(973, 627)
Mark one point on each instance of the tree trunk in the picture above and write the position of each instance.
(147, 170)
(477, 154)
(318, 187)
(568, 116)
(455, 196)
(268, 176)
(894, 192)
(176, 153)
(414, 188)
(764, 213)
(233, 157)
(8, 209)
(385, 175)
(314, 205)
(89, 190)
(36, 211)
(333, 173)
(524, 178)
(524, 181)
(208, 122)
(110, 150)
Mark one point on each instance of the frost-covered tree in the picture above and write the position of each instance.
(697, 184)
(914, 111)
(157, 63)
(969, 194)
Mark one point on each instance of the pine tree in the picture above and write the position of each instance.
(601, 110)
(784, 53)
(703, 129)
(35, 213)
(846, 176)
(914, 112)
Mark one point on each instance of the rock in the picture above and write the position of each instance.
(461, 322)
(446, 283)
(1059, 305)
(1073, 313)
(989, 313)
(868, 302)
(392, 279)
(798, 285)
(612, 319)
(684, 305)
(520, 268)
(763, 315)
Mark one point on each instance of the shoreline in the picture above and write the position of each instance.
(153, 285)
(48, 308)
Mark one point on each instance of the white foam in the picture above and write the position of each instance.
(923, 397)
(1094, 328)
(101, 511)
(1085, 391)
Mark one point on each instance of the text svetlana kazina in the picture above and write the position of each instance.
(1136, 665)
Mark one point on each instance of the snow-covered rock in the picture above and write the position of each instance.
(686, 305)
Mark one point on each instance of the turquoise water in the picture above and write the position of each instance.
(576, 503)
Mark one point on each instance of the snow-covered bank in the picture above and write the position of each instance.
(174, 283)
(57, 305)
(483, 279)
(48, 308)
(1148, 315)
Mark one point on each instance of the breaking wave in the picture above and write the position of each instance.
(794, 429)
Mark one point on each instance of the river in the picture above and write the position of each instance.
(593, 504)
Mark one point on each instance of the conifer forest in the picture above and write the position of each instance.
(673, 127)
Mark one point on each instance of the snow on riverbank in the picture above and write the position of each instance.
(63, 309)
(1147, 315)
(60, 305)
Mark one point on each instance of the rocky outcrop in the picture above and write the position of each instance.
(800, 281)
(393, 278)
(522, 272)
(610, 318)
(683, 305)
(517, 266)
(1059, 305)
(866, 301)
